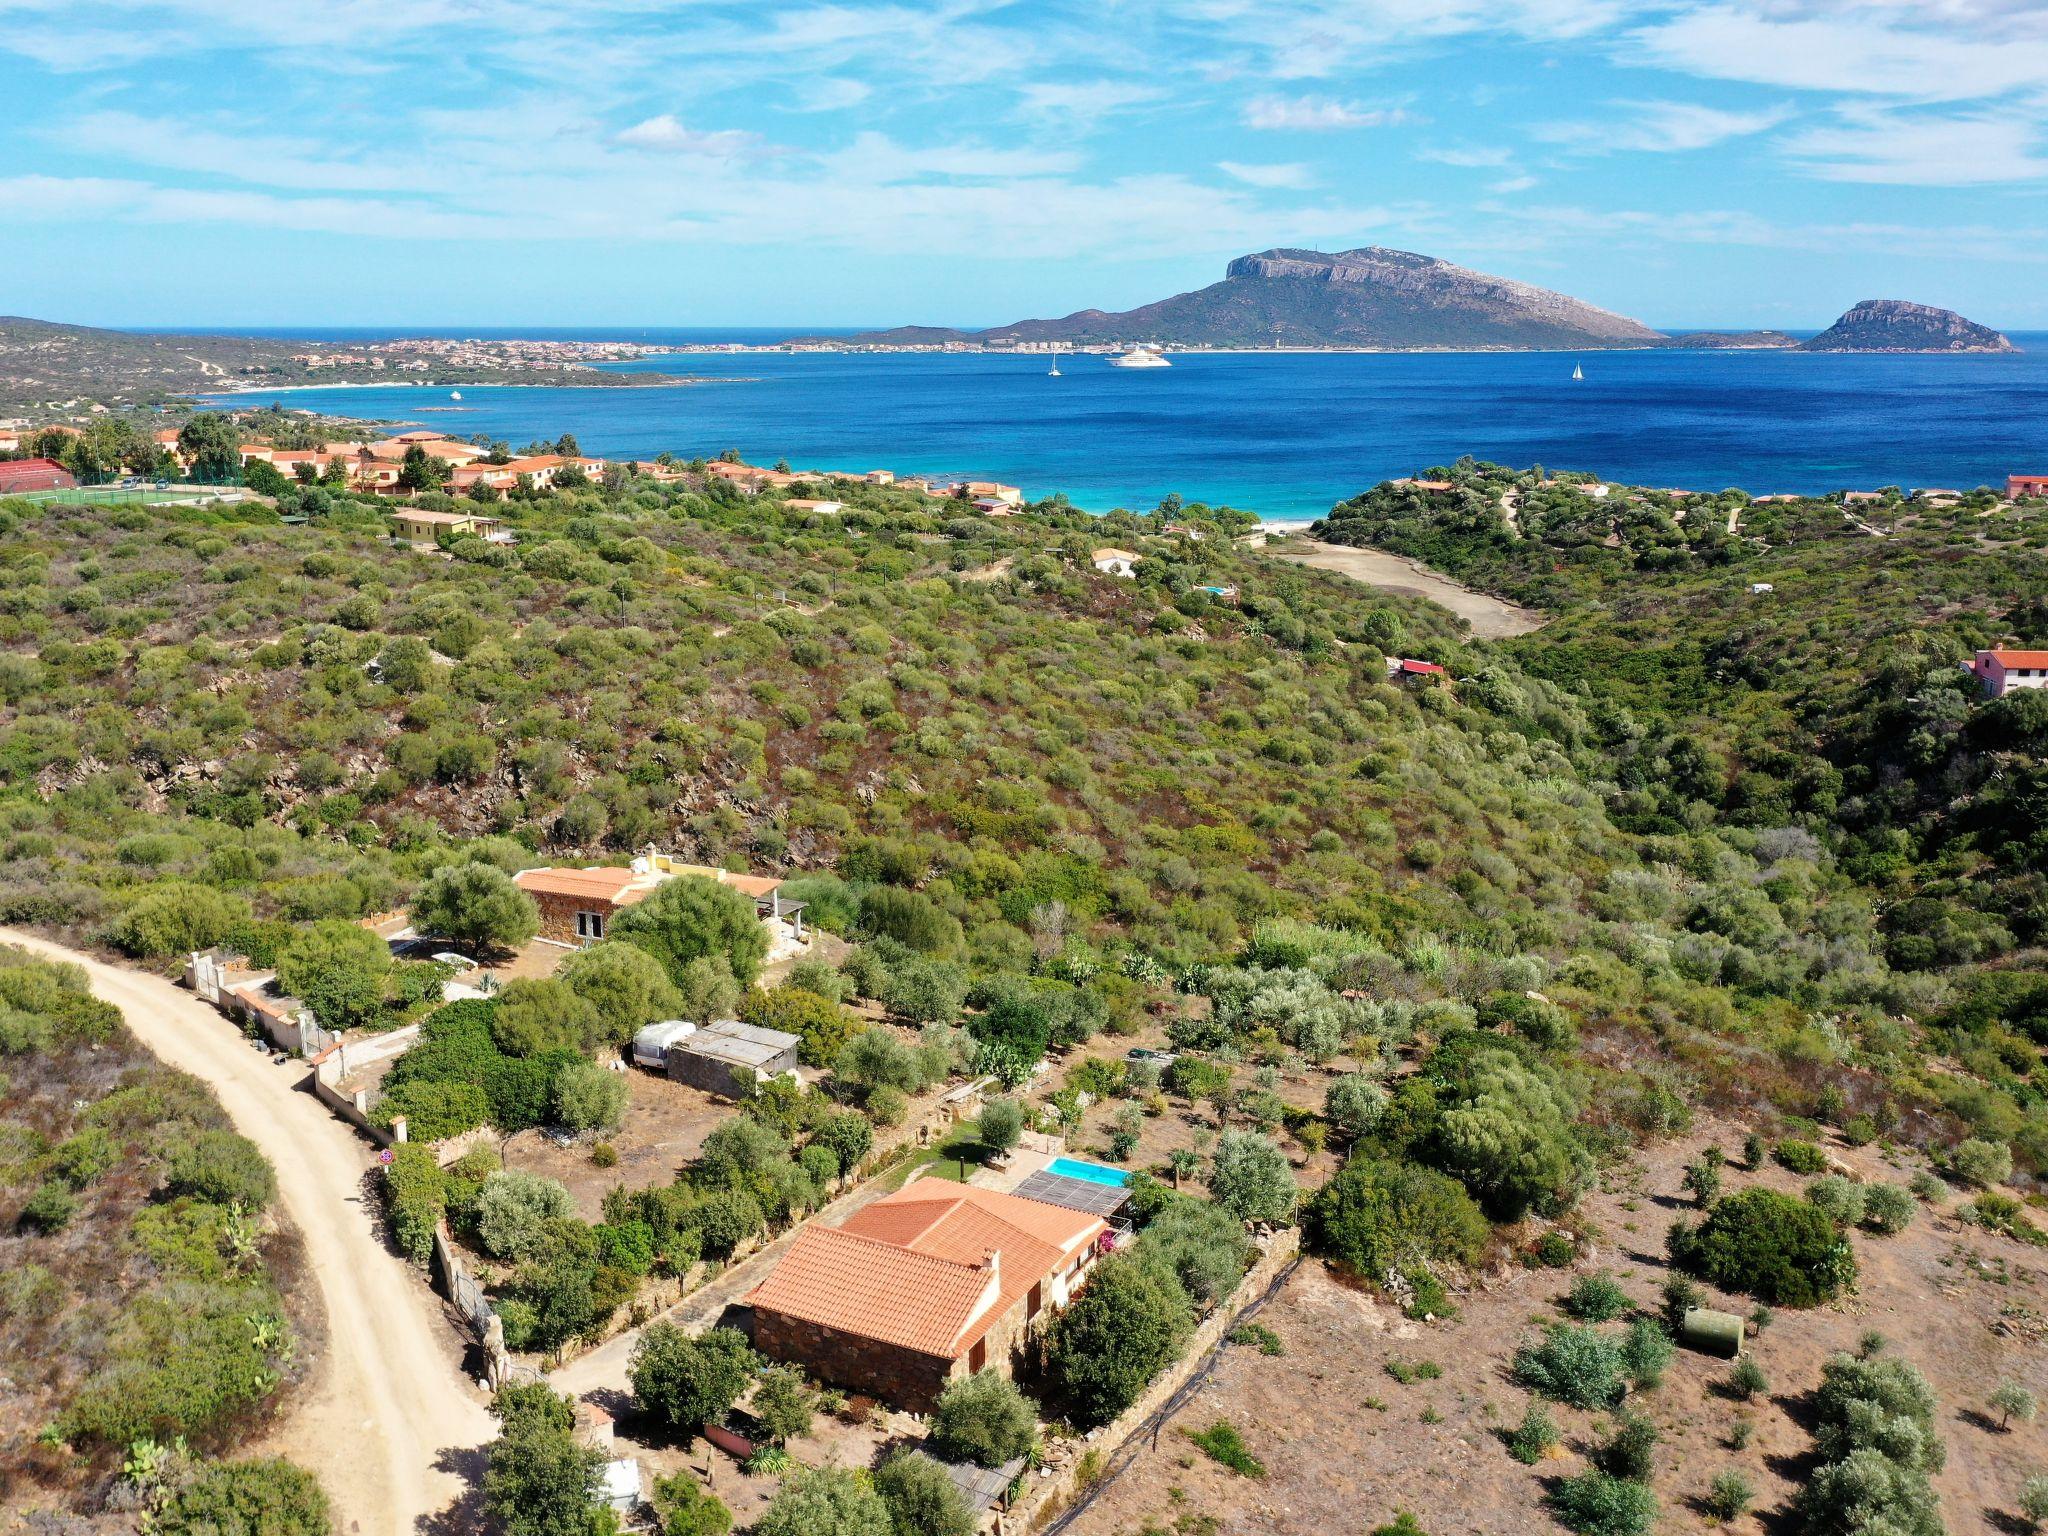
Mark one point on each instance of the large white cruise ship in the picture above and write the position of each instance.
(1139, 357)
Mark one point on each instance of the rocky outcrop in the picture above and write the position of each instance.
(1367, 298)
(1897, 325)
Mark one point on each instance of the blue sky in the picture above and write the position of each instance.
(620, 162)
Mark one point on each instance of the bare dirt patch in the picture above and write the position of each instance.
(1491, 618)
(1346, 1445)
(666, 1123)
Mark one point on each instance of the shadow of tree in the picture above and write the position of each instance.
(465, 1516)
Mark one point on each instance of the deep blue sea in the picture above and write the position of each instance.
(1285, 435)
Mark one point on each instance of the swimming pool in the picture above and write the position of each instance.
(1092, 1173)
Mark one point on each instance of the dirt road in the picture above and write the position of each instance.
(388, 1423)
(1490, 617)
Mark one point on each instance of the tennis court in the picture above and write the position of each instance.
(128, 495)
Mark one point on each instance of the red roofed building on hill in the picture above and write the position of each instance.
(18, 475)
(922, 1287)
(2001, 671)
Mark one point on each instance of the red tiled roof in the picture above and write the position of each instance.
(617, 886)
(911, 1269)
(2021, 658)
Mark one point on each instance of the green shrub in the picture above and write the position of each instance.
(1596, 1299)
(1532, 1439)
(825, 1501)
(1221, 1443)
(1576, 1365)
(1111, 1340)
(589, 1098)
(174, 918)
(1379, 1216)
(1746, 1380)
(921, 1498)
(696, 918)
(1841, 1199)
(1596, 1504)
(50, 1208)
(1887, 1209)
(683, 1508)
(1981, 1163)
(1630, 1451)
(415, 1199)
(984, 1419)
(1772, 1246)
(1729, 1495)
(222, 1167)
(515, 1212)
(1801, 1157)
(1645, 1354)
(245, 1498)
(1252, 1179)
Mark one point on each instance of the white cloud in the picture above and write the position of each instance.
(1471, 157)
(1922, 149)
(1855, 49)
(1085, 100)
(1293, 175)
(1660, 127)
(1315, 114)
(1512, 184)
(668, 135)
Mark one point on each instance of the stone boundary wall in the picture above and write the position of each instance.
(1047, 1497)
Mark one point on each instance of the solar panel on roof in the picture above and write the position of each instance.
(1100, 1200)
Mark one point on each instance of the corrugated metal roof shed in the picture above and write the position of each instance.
(743, 1045)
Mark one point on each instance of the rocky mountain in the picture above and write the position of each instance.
(1896, 325)
(1371, 297)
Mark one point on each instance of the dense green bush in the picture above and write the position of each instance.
(175, 918)
(984, 1419)
(1379, 1216)
(245, 1498)
(1576, 1365)
(685, 1382)
(695, 918)
(1596, 1298)
(1775, 1247)
(1597, 1504)
(1251, 1178)
(1127, 1324)
(515, 1213)
(825, 1501)
(221, 1167)
(921, 1498)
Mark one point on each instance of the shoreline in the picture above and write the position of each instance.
(656, 381)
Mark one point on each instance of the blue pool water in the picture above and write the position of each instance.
(1092, 1173)
(1285, 435)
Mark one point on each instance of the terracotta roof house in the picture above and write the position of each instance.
(1401, 666)
(34, 475)
(932, 1283)
(2018, 486)
(2001, 670)
(577, 905)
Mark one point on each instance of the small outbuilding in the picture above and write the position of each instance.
(651, 1043)
(725, 1056)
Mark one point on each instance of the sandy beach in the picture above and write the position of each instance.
(1490, 617)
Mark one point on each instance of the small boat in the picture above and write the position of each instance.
(1054, 371)
(1578, 372)
(454, 394)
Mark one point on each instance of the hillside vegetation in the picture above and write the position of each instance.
(144, 1281)
(1689, 845)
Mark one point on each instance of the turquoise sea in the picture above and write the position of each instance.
(1285, 435)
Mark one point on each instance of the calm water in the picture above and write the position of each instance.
(1287, 435)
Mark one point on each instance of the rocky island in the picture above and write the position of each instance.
(1898, 325)
(1370, 298)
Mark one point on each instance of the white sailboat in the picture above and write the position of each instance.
(454, 394)
(1054, 371)
(1578, 372)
